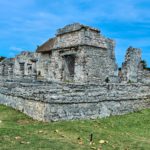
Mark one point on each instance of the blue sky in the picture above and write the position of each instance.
(24, 24)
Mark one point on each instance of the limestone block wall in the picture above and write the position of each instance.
(80, 66)
(28, 67)
(92, 64)
(82, 37)
(130, 67)
(1, 69)
(145, 76)
(28, 64)
(57, 101)
(69, 39)
(6, 67)
(94, 38)
(17, 68)
(99, 65)
(42, 64)
(56, 67)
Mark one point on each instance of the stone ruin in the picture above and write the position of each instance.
(77, 53)
(74, 75)
(132, 69)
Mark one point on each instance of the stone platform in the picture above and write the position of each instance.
(51, 101)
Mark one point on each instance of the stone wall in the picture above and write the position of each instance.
(93, 58)
(92, 64)
(144, 76)
(6, 67)
(42, 65)
(77, 53)
(50, 66)
(99, 65)
(77, 34)
(130, 67)
(25, 65)
(74, 75)
(59, 101)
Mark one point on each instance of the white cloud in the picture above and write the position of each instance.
(15, 49)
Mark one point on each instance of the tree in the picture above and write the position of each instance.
(144, 64)
(2, 58)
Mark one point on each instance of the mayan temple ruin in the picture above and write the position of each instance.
(74, 75)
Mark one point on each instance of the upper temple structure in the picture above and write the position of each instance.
(77, 53)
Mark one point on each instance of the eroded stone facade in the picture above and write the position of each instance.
(51, 101)
(130, 67)
(73, 76)
(7, 67)
(78, 53)
(132, 70)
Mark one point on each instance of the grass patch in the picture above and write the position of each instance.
(128, 132)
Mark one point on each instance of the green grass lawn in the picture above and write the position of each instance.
(128, 132)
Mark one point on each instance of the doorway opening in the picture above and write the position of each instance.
(22, 69)
(69, 67)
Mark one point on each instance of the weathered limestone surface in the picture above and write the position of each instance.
(145, 78)
(59, 101)
(6, 67)
(25, 65)
(130, 67)
(79, 53)
(73, 76)
(77, 34)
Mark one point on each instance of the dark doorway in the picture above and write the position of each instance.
(29, 69)
(22, 69)
(5, 70)
(69, 67)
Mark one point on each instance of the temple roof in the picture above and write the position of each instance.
(61, 42)
(47, 46)
(74, 27)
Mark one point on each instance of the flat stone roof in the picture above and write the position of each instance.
(74, 27)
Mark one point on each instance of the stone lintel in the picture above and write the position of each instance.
(68, 53)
